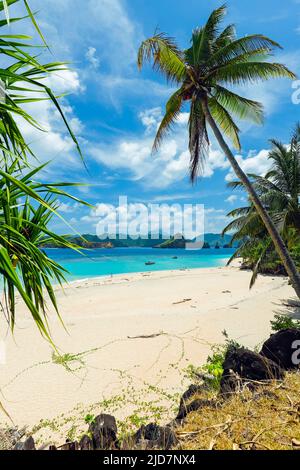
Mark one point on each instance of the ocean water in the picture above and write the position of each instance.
(105, 262)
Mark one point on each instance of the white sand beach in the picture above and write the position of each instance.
(136, 332)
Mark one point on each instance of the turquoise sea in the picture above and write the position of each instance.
(105, 262)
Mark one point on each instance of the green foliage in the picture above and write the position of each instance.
(278, 190)
(67, 360)
(215, 361)
(204, 74)
(281, 322)
(26, 205)
(212, 370)
(89, 419)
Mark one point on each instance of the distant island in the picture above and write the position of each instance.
(89, 241)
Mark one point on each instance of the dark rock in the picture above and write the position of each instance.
(191, 391)
(279, 348)
(104, 432)
(242, 365)
(185, 409)
(70, 446)
(26, 445)
(230, 383)
(86, 443)
(162, 437)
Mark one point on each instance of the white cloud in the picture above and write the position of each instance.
(103, 23)
(140, 219)
(55, 144)
(151, 118)
(163, 168)
(92, 57)
(257, 163)
(68, 207)
(215, 220)
(231, 199)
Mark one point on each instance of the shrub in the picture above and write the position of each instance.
(281, 322)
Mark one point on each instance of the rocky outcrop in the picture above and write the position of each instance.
(153, 436)
(104, 432)
(282, 348)
(244, 367)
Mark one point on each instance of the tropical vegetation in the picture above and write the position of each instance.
(26, 203)
(279, 190)
(205, 74)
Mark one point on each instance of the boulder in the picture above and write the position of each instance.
(26, 445)
(185, 409)
(282, 348)
(86, 443)
(242, 365)
(69, 445)
(104, 432)
(155, 436)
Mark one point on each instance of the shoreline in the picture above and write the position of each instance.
(130, 339)
(106, 277)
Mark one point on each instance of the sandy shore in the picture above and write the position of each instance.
(132, 333)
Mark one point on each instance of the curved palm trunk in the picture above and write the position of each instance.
(273, 232)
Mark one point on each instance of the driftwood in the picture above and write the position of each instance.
(154, 335)
(182, 301)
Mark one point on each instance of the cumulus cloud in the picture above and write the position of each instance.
(138, 220)
(257, 163)
(55, 144)
(151, 118)
(68, 207)
(163, 168)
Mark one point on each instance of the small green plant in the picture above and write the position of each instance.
(67, 359)
(281, 322)
(89, 419)
(212, 370)
(214, 365)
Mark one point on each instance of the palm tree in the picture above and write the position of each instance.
(215, 60)
(279, 190)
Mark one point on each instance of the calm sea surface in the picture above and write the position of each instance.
(104, 262)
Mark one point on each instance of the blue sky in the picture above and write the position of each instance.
(114, 109)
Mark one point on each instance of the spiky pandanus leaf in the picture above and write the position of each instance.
(23, 229)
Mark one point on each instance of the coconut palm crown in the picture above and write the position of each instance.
(204, 73)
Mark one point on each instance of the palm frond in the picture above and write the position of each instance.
(236, 50)
(225, 121)
(225, 37)
(259, 263)
(243, 73)
(242, 107)
(166, 56)
(203, 38)
(173, 108)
